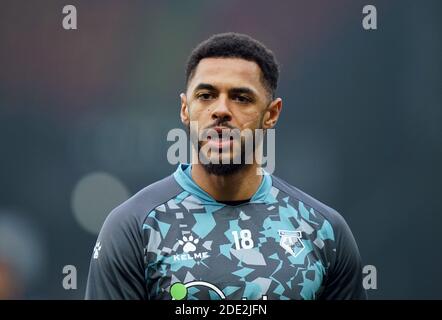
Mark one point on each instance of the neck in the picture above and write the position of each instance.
(241, 185)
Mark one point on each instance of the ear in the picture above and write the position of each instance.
(272, 114)
(184, 114)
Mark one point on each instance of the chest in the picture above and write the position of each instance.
(246, 252)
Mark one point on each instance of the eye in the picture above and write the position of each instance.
(205, 96)
(242, 99)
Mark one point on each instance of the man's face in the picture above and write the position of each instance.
(225, 94)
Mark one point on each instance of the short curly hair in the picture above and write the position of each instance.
(236, 45)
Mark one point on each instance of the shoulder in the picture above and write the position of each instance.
(134, 211)
(311, 209)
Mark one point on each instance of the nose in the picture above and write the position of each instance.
(221, 112)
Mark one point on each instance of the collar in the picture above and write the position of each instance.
(184, 178)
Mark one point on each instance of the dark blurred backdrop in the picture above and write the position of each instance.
(84, 116)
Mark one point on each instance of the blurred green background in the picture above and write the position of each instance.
(84, 116)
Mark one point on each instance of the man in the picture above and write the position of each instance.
(219, 230)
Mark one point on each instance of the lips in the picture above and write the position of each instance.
(221, 141)
(219, 131)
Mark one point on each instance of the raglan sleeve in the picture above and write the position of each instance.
(117, 268)
(344, 277)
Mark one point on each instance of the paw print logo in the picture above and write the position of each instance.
(188, 243)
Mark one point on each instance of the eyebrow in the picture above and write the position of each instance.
(242, 90)
(237, 90)
(204, 86)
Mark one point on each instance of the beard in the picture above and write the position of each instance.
(224, 169)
